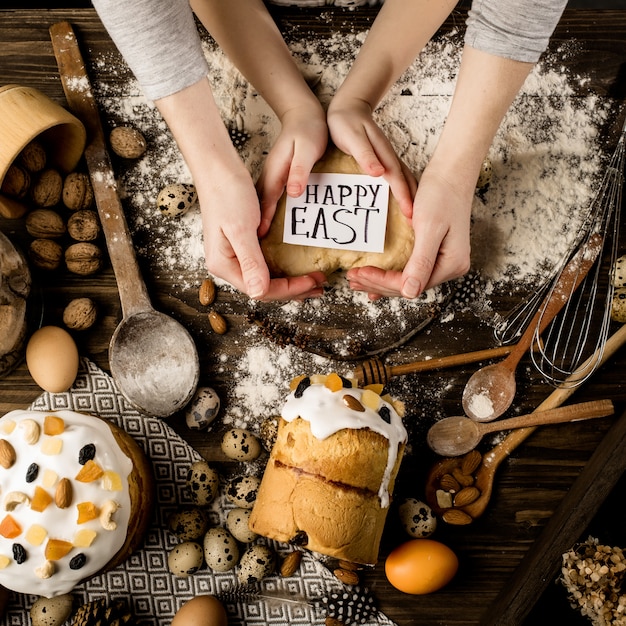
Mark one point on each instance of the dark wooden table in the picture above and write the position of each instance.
(529, 485)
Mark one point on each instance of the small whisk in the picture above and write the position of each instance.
(582, 328)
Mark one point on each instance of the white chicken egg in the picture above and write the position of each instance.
(52, 359)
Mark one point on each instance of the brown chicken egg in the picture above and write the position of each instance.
(201, 611)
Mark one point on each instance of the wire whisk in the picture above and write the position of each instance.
(571, 348)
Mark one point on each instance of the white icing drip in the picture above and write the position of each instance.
(327, 413)
(80, 430)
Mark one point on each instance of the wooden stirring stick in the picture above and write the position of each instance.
(375, 371)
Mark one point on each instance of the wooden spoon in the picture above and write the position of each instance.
(454, 436)
(153, 358)
(485, 474)
(490, 391)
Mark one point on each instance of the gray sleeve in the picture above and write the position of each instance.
(159, 41)
(514, 29)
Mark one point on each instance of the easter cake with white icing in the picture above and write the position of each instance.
(330, 476)
(76, 496)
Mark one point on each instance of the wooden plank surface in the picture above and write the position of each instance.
(530, 485)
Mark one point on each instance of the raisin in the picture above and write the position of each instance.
(300, 538)
(19, 553)
(32, 472)
(346, 382)
(78, 561)
(385, 414)
(87, 453)
(302, 386)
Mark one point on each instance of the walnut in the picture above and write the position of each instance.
(83, 225)
(47, 188)
(83, 258)
(33, 156)
(16, 182)
(45, 224)
(127, 142)
(45, 254)
(80, 314)
(77, 191)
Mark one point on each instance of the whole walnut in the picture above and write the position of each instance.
(83, 258)
(80, 314)
(47, 188)
(83, 225)
(33, 156)
(45, 254)
(45, 224)
(16, 182)
(77, 191)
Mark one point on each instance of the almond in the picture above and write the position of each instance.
(471, 462)
(7, 454)
(449, 483)
(456, 517)
(218, 323)
(465, 480)
(466, 496)
(291, 563)
(347, 577)
(349, 565)
(352, 403)
(206, 294)
(63, 494)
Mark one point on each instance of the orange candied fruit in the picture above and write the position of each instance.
(89, 472)
(294, 382)
(41, 500)
(86, 512)
(53, 425)
(333, 382)
(9, 528)
(56, 549)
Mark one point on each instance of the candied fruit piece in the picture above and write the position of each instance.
(49, 478)
(334, 382)
(41, 500)
(296, 381)
(36, 534)
(9, 528)
(89, 472)
(4, 561)
(52, 446)
(370, 399)
(8, 426)
(112, 481)
(86, 512)
(53, 425)
(84, 538)
(56, 549)
(318, 379)
(377, 388)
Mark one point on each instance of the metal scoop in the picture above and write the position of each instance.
(153, 358)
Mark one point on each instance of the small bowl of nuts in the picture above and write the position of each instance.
(35, 133)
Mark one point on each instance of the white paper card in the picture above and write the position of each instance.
(339, 211)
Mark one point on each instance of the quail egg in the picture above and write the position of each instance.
(221, 551)
(268, 432)
(176, 199)
(185, 559)
(417, 518)
(484, 177)
(618, 307)
(237, 522)
(203, 408)
(189, 524)
(242, 491)
(619, 273)
(203, 483)
(257, 562)
(51, 611)
(240, 445)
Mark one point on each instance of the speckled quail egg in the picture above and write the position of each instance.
(417, 518)
(237, 522)
(203, 408)
(221, 551)
(484, 176)
(618, 307)
(242, 490)
(268, 431)
(51, 611)
(176, 199)
(185, 559)
(203, 483)
(189, 524)
(240, 445)
(257, 562)
(619, 273)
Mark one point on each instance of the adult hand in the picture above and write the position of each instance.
(441, 223)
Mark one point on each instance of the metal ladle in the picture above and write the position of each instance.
(153, 358)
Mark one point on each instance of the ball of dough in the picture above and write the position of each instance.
(285, 259)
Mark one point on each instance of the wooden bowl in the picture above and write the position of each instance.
(26, 114)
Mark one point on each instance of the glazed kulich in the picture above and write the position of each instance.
(328, 482)
(76, 496)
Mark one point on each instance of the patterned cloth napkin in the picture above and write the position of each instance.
(144, 582)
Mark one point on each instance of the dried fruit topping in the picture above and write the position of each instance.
(89, 472)
(87, 453)
(9, 528)
(86, 512)
(78, 561)
(19, 553)
(41, 500)
(333, 382)
(302, 386)
(352, 403)
(385, 414)
(56, 549)
(300, 538)
(53, 425)
(32, 472)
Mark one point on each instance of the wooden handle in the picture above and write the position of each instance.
(569, 280)
(133, 293)
(558, 415)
